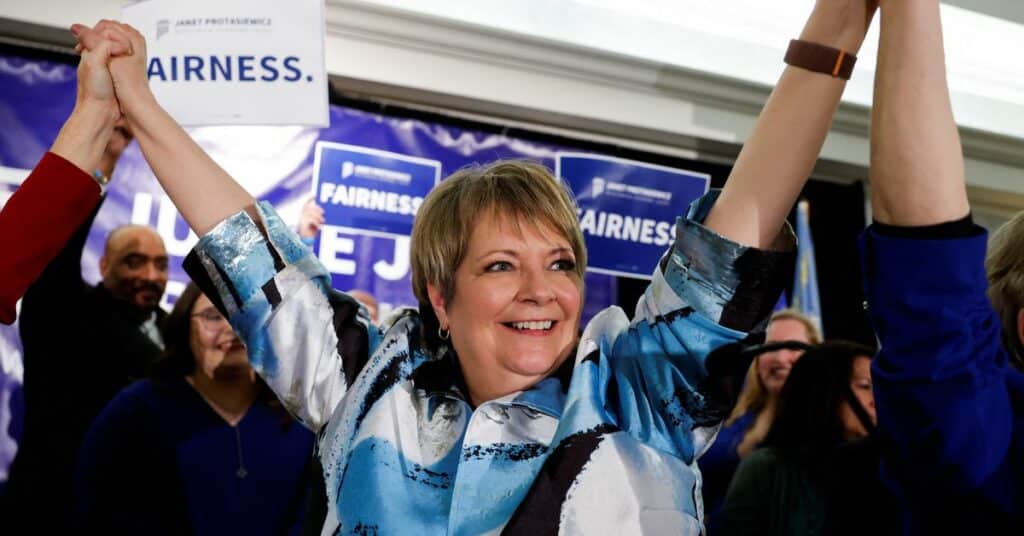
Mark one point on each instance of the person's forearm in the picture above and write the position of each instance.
(85, 134)
(201, 190)
(917, 167)
(35, 226)
(780, 153)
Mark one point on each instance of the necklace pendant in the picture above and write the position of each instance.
(241, 472)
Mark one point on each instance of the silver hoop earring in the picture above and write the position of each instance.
(443, 334)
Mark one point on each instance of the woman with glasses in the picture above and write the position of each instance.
(201, 447)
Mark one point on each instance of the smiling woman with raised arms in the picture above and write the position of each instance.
(485, 412)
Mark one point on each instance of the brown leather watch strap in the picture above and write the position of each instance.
(820, 59)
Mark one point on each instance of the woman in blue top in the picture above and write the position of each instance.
(203, 447)
(485, 412)
(950, 406)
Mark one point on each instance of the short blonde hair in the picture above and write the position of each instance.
(754, 396)
(1004, 266)
(522, 191)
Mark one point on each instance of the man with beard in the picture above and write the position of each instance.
(82, 344)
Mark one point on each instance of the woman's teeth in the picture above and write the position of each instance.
(544, 325)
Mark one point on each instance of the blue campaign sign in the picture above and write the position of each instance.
(371, 190)
(627, 209)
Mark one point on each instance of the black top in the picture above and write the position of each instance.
(779, 493)
(81, 346)
(962, 228)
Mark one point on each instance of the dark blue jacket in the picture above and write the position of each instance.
(950, 407)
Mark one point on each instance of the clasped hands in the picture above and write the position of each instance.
(112, 72)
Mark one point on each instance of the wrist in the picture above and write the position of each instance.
(836, 25)
(137, 104)
(93, 115)
(85, 134)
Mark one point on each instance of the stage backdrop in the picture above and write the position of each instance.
(370, 172)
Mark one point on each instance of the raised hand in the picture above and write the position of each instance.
(85, 136)
(917, 165)
(780, 153)
(311, 219)
(202, 191)
(127, 61)
(94, 81)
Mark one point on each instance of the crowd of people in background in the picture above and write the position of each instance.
(754, 411)
(268, 403)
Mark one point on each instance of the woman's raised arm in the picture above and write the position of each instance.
(307, 341)
(779, 155)
(917, 164)
(944, 390)
(203, 192)
(39, 219)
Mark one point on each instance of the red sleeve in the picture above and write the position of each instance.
(37, 221)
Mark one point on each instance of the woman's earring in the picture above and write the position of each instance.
(443, 333)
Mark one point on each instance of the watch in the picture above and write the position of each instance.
(818, 58)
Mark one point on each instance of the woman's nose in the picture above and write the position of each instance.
(535, 286)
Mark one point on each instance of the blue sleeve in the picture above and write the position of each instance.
(941, 376)
(650, 371)
(728, 283)
(305, 339)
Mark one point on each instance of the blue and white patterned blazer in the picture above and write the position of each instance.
(607, 445)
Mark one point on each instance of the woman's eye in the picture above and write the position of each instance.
(564, 265)
(499, 266)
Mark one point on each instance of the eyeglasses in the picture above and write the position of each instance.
(212, 320)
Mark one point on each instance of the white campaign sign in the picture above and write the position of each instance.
(236, 62)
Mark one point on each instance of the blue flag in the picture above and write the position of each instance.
(805, 282)
(782, 304)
